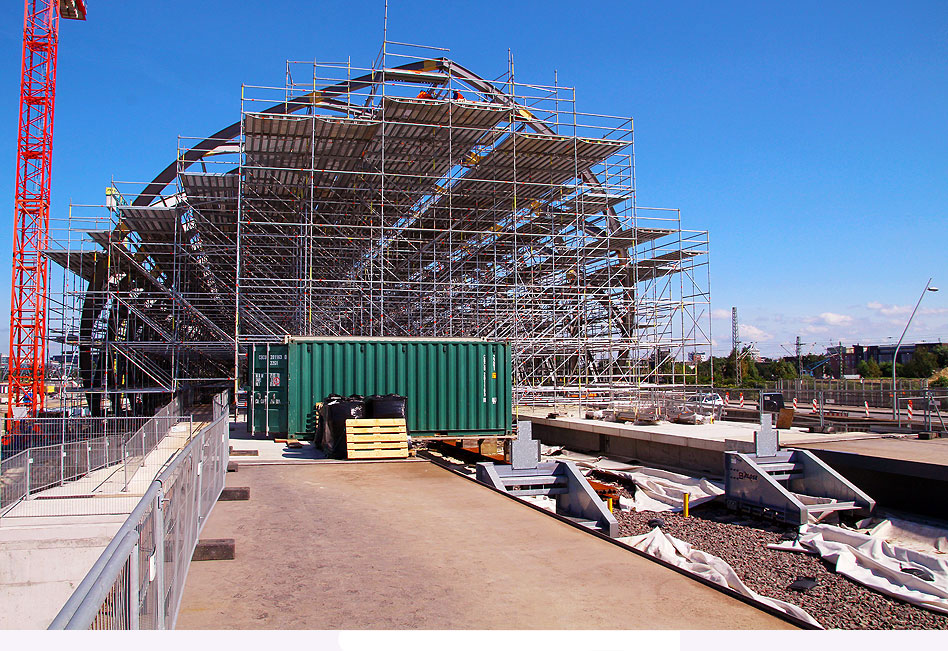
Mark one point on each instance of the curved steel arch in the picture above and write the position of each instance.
(325, 97)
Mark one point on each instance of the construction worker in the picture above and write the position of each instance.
(457, 95)
(427, 93)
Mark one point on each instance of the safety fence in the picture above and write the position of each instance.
(99, 456)
(138, 581)
(219, 403)
(682, 404)
(620, 398)
(857, 393)
(673, 404)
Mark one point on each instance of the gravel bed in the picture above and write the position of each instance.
(835, 602)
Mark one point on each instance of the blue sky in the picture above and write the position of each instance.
(809, 138)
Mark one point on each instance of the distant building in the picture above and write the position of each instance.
(851, 356)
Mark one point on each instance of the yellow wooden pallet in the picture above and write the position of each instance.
(376, 438)
(366, 431)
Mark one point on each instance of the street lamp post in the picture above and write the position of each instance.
(895, 355)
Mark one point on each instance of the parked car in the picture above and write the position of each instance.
(705, 400)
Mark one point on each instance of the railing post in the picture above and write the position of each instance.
(200, 480)
(134, 589)
(159, 556)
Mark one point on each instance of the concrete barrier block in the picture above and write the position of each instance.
(637, 434)
(706, 444)
(235, 494)
(215, 549)
(666, 439)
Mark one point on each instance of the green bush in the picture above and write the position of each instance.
(869, 369)
(923, 364)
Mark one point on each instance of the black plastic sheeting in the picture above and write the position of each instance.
(332, 423)
(387, 406)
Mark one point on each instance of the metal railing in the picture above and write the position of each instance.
(138, 581)
(925, 408)
(93, 454)
(220, 402)
(857, 393)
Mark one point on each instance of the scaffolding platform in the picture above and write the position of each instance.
(348, 203)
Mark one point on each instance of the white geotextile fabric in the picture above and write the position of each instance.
(661, 490)
(656, 490)
(876, 564)
(681, 554)
(919, 537)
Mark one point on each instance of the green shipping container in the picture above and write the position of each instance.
(452, 386)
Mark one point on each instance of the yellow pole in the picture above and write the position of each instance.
(609, 502)
(687, 499)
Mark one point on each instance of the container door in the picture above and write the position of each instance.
(269, 389)
(276, 391)
(258, 387)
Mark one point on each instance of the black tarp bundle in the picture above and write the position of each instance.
(333, 415)
(387, 406)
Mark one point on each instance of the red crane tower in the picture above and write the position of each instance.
(31, 222)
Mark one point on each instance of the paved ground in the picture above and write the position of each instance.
(266, 448)
(409, 545)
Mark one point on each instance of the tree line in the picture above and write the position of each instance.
(924, 364)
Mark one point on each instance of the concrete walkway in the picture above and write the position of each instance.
(409, 545)
(689, 448)
(908, 449)
(102, 492)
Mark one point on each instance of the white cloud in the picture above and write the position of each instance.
(904, 310)
(752, 333)
(721, 314)
(830, 318)
(889, 310)
(859, 324)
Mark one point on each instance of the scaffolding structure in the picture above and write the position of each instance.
(410, 200)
